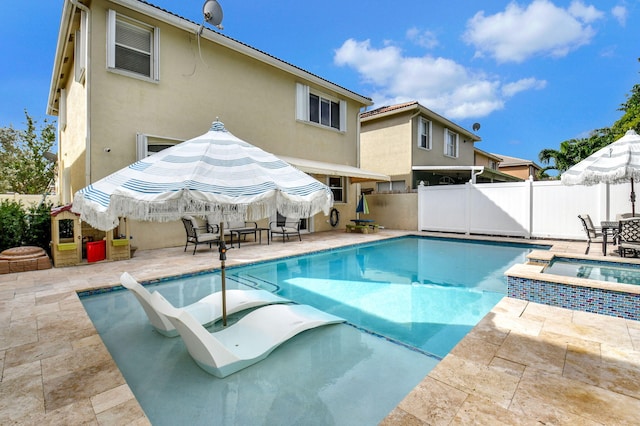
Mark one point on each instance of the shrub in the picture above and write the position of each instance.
(38, 231)
(20, 226)
(13, 224)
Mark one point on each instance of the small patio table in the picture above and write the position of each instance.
(608, 227)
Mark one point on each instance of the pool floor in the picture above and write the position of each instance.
(330, 375)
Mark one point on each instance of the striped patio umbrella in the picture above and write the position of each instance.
(216, 175)
(618, 162)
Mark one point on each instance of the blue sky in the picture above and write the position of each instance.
(533, 73)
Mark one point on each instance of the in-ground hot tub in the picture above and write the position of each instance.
(536, 281)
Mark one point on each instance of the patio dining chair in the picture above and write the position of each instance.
(593, 234)
(199, 234)
(629, 237)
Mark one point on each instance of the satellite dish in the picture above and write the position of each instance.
(476, 127)
(50, 156)
(212, 12)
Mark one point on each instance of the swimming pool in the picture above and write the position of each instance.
(407, 302)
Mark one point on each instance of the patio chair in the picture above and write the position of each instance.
(246, 342)
(629, 236)
(199, 234)
(206, 310)
(593, 234)
(284, 227)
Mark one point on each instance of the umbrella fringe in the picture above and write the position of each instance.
(167, 210)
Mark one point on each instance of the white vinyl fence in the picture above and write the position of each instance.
(530, 209)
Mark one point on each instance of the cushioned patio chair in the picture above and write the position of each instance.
(594, 235)
(246, 342)
(206, 310)
(285, 227)
(199, 234)
(629, 237)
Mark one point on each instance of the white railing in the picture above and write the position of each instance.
(538, 209)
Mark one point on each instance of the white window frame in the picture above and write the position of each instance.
(424, 133)
(303, 110)
(392, 186)
(154, 52)
(341, 188)
(451, 143)
(80, 49)
(144, 142)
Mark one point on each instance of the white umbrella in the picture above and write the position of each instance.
(216, 175)
(618, 162)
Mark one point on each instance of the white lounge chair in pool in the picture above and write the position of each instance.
(206, 310)
(246, 342)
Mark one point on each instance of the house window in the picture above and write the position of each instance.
(493, 165)
(424, 133)
(450, 143)
(336, 183)
(132, 47)
(393, 186)
(321, 109)
(147, 145)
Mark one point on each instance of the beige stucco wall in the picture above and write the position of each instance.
(394, 211)
(522, 172)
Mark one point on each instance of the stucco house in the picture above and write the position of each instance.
(413, 144)
(519, 167)
(491, 164)
(130, 79)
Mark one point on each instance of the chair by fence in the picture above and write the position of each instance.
(593, 234)
(629, 236)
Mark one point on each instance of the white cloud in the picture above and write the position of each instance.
(438, 83)
(620, 13)
(541, 28)
(425, 39)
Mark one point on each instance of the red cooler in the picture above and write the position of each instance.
(96, 251)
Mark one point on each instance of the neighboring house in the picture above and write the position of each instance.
(413, 144)
(491, 172)
(519, 168)
(130, 79)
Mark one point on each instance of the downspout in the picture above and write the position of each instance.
(87, 82)
(475, 172)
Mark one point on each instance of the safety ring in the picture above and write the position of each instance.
(334, 217)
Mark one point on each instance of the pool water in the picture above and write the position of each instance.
(407, 302)
(623, 273)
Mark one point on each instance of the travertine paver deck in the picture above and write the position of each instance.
(523, 364)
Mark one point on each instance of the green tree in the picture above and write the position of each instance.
(23, 167)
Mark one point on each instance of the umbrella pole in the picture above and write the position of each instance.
(222, 248)
(633, 200)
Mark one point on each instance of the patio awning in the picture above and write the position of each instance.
(331, 169)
